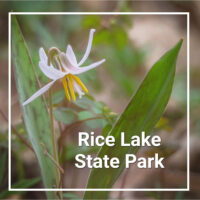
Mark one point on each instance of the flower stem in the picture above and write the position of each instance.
(53, 138)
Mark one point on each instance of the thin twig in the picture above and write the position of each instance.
(53, 137)
(52, 159)
(15, 131)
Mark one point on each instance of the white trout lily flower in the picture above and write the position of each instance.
(67, 69)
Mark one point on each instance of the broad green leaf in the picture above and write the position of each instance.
(106, 130)
(72, 150)
(35, 114)
(142, 113)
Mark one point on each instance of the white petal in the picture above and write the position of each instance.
(50, 71)
(78, 89)
(67, 65)
(42, 54)
(38, 93)
(70, 55)
(87, 68)
(88, 47)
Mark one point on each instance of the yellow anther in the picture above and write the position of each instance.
(70, 84)
(78, 80)
(64, 81)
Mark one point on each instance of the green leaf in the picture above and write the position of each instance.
(85, 115)
(85, 102)
(25, 183)
(58, 97)
(64, 115)
(71, 196)
(91, 21)
(72, 150)
(93, 124)
(142, 113)
(35, 115)
(106, 130)
(103, 37)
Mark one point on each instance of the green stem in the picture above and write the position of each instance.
(53, 137)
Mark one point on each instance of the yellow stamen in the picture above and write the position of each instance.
(64, 81)
(70, 84)
(78, 80)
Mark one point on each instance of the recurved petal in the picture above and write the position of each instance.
(87, 68)
(42, 54)
(38, 93)
(70, 55)
(87, 52)
(50, 71)
(66, 63)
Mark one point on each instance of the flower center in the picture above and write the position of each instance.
(67, 81)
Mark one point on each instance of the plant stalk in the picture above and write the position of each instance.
(53, 138)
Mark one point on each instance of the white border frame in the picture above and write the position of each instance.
(99, 13)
